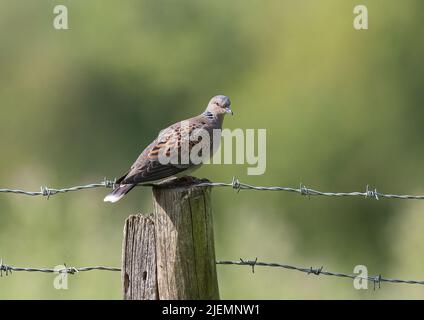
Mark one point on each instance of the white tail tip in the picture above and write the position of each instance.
(112, 198)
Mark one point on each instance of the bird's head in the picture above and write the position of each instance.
(219, 105)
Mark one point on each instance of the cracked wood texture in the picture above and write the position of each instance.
(138, 275)
(184, 255)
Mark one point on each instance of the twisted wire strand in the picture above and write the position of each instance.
(6, 269)
(376, 280)
(235, 184)
(47, 192)
(303, 190)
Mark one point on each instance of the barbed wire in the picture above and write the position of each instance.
(235, 184)
(376, 280)
(303, 190)
(47, 192)
(6, 269)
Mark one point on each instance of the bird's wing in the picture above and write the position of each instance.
(148, 166)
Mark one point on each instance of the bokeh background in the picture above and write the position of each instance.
(342, 108)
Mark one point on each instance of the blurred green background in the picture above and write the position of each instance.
(342, 109)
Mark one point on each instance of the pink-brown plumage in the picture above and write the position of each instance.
(149, 168)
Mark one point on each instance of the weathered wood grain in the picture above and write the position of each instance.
(184, 255)
(138, 273)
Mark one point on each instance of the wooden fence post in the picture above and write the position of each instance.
(170, 254)
(138, 273)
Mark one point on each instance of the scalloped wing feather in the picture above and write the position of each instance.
(148, 167)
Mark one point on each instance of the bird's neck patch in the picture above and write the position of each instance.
(208, 115)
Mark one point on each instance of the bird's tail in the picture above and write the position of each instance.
(118, 193)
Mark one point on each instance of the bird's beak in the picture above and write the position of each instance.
(228, 110)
